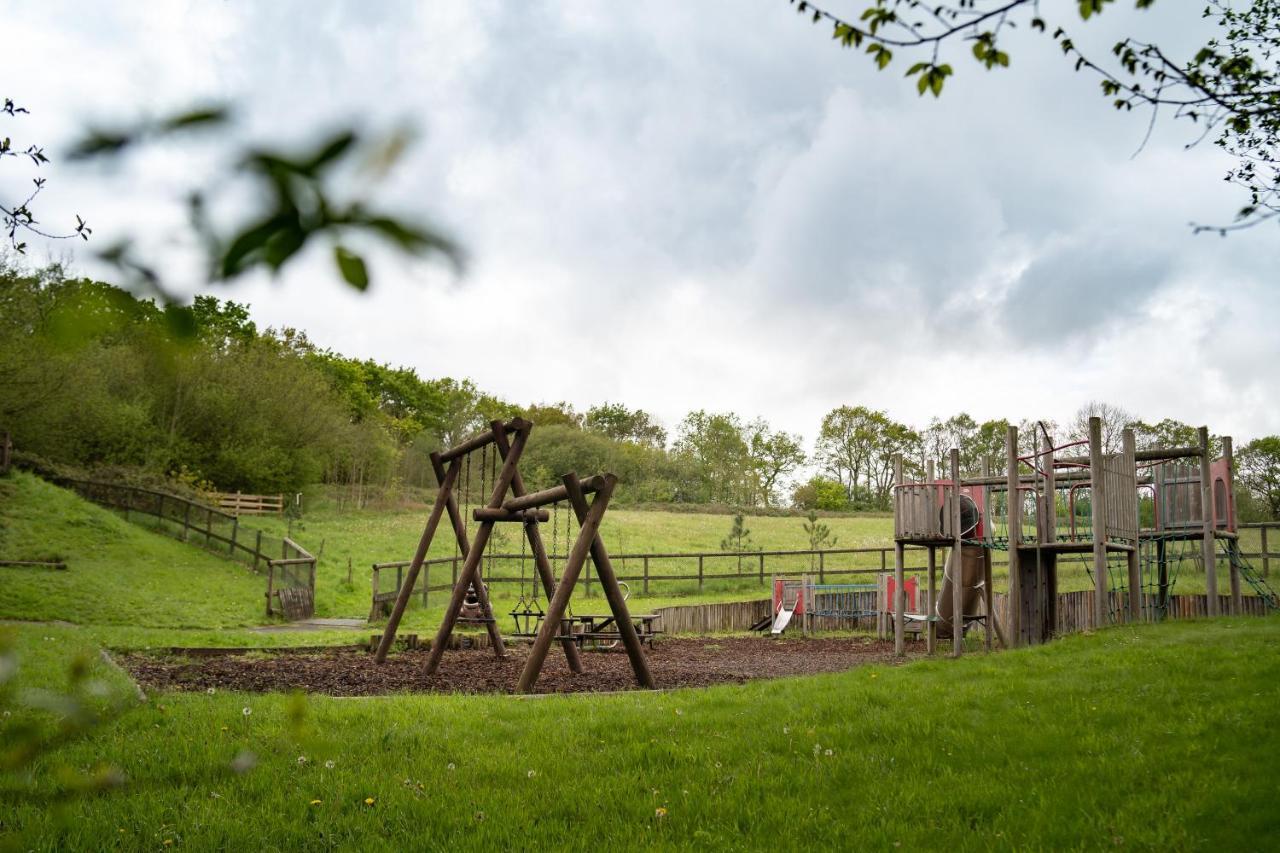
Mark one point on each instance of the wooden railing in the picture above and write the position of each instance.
(1263, 554)
(236, 503)
(218, 531)
(690, 568)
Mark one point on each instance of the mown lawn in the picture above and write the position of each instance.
(1158, 737)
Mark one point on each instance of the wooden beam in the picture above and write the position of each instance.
(1098, 515)
(609, 582)
(1015, 535)
(1131, 510)
(899, 579)
(1233, 548)
(485, 438)
(446, 481)
(1208, 548)
(957, 560)
(553, 495)
(523, 516)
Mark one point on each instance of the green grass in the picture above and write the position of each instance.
(1159, 737)
(119, 573)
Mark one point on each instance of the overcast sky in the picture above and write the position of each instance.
(705, 205)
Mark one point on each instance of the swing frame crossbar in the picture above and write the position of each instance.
(509, 440)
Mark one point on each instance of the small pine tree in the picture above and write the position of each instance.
(819, 535)
(738, 540)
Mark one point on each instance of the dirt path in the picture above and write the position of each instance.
(675, 663)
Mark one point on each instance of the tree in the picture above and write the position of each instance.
(622, 424)
(1165, 433)
(561, 414)
(846, 442)
(738, 540)
(1258, 464)
(1114, 420)
(774, 455)
(716, 456)
(1229, 88)
(19, 219)
(818, 534)
(820, 493)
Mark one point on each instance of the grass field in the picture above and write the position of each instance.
(1056, 747)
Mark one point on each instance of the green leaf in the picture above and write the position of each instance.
(352, 268)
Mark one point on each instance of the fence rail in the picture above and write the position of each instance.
(690, 568)
(1264, 554)
(241, 504)
(290, 576)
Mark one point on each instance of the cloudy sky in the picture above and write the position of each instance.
(702, 205)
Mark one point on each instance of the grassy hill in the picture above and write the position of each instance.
(119, 573)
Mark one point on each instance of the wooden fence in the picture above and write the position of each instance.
(290, 575)
(683, 570)
(6, 453)
(1264, 554)
(236, 503)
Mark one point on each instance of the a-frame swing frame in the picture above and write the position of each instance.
(525, 509)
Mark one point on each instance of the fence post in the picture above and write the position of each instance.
(699, 574)
(399, 579)
(186, 522)
(208, 527)
(646, 574)
(762, 568)
(271, 570)
(822, 568)
(257, 550)
(160, 507)
(454, 563)
(883, 564)
(426, 582)
(1266, 558)
(374, 583)
(235, 529)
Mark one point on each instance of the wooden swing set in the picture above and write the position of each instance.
(527, 509)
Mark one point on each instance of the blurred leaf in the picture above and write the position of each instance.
(352, 268)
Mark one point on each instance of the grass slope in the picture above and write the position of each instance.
(119, 573)
(1158, 737)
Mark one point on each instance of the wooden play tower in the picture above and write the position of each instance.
(1074, 501)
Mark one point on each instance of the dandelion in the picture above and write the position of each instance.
(328, 765)
(817, 748)
(6, 713)
(246, 710)
(829, 752)
(451, 766)
(532, 773)
(314, 803)
(786, 730)
(224, 728)
(168, 842)
(479, 815)
(679, 713)
(302, 759)
(244, 761)
(210, 691)
(368, 801)
(660, 812)
(875, 674)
